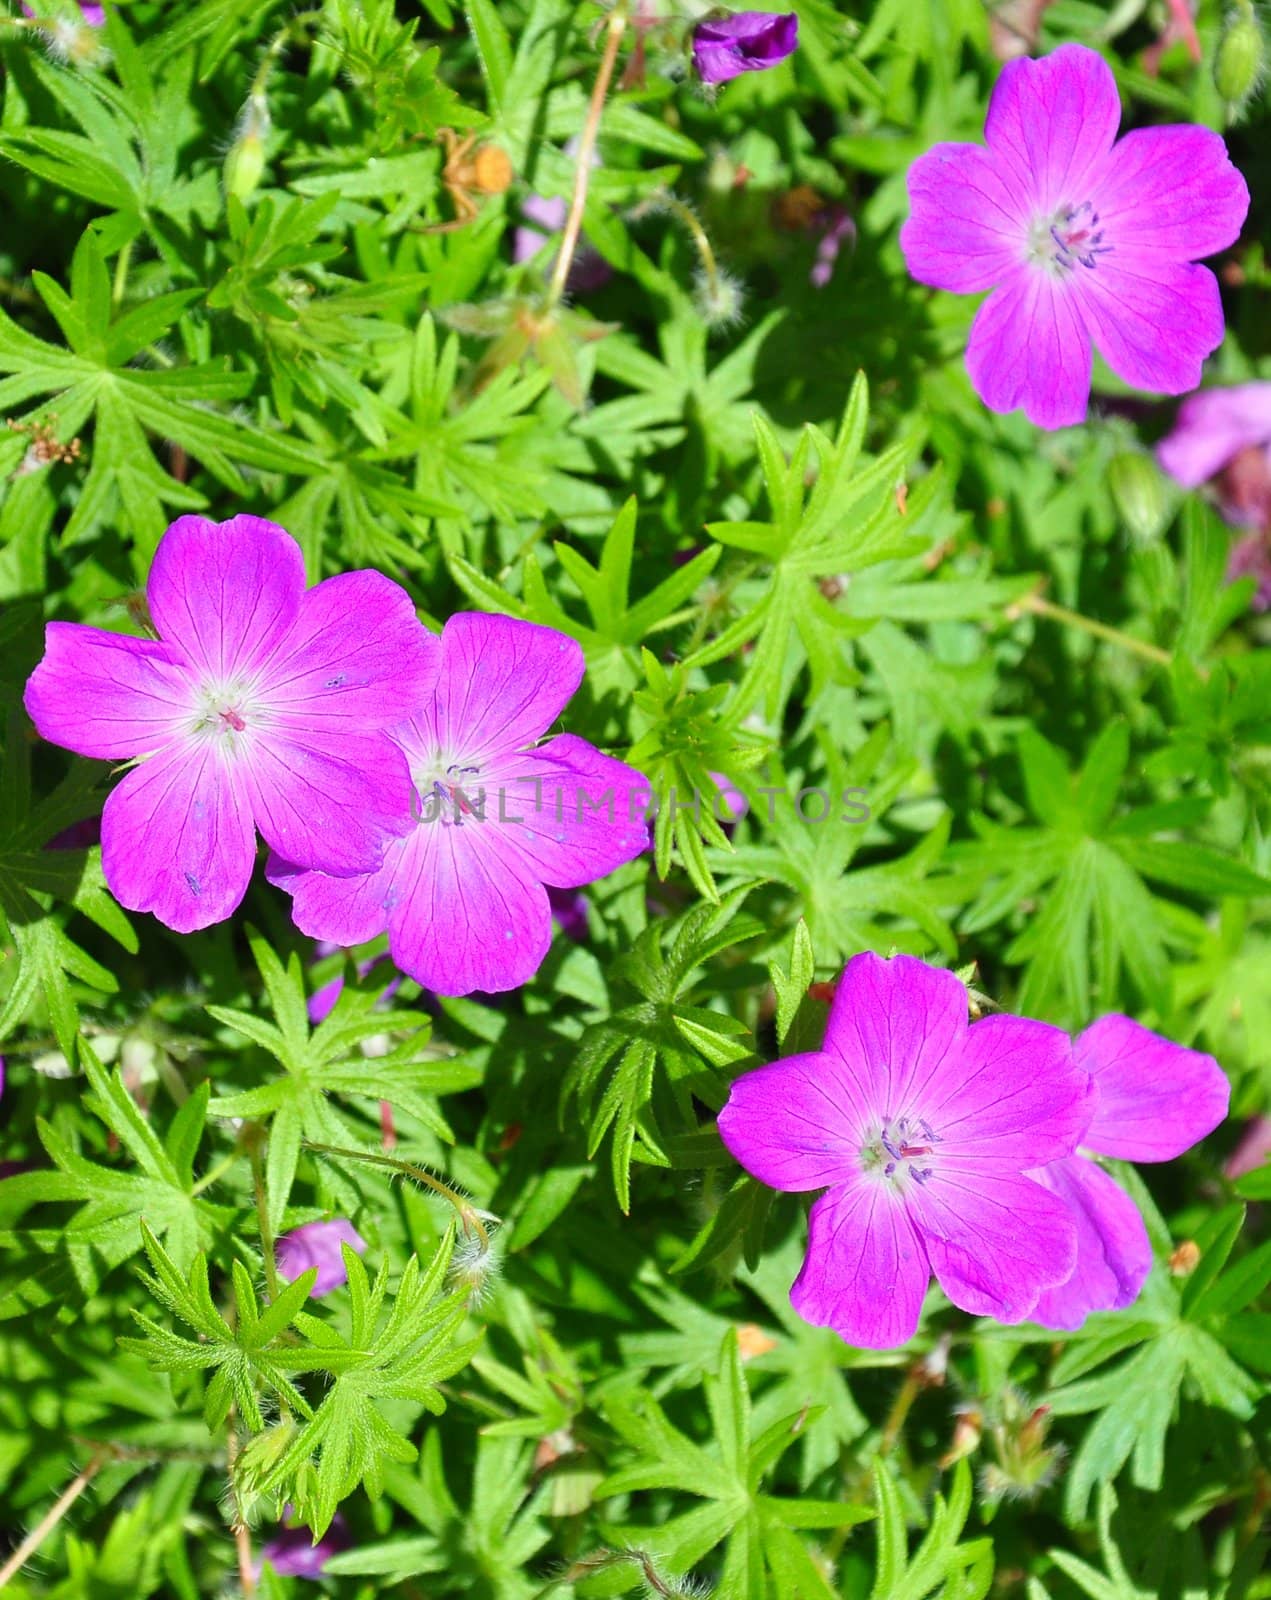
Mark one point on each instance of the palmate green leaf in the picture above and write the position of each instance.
(95, 378)
(940, 1561)
(156, 1190)
(41, 888)
(665, 1030)
(323, 1061)
(728, 1474)
(398, 1350)
(1098, 916)
(848, 907)
(851, 519)
(1179, 1340)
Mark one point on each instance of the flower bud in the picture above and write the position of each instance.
(718, 298)
(1138, 494)
(245, 161)
(1240, 60)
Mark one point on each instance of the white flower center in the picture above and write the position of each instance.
(1067, 238)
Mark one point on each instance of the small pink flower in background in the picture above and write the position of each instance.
(836, 229)
(1251, 558)
(293, 1554)
(1225, 435)
(587, 271)
(317, 1244)
(1153, 1100)
(748, 41)
(1082, 239)
(500, 818)
(922, 1129)
(569, 912)
(261, 705)
(322, 1001)
(93, 15)
(1252, 1151)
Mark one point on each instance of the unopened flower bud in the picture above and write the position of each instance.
(1138, 493)
(1240, 60)
(245, 161)
(718, 298)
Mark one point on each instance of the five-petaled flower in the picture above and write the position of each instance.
(922, 1128)
(318, 1244)
(1153, 1100)
(1081, 238)
(749, 41)
(499, 818)
(260, 705)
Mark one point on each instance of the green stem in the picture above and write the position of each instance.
(122, 264)
(255, 1141)
(614, 30)
(467, 1212)
(1042, 607)
(689, 220)
(218, 1171)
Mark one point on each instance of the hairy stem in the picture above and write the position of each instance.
(469, 1217)
(1041, 607)
(52, 1517)
(614, 30)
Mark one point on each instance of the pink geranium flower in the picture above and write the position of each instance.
(318, 1244)
(1225, 434)
(1082, 239)
(500, 816)
(922, 1129)
(1153, 1100)
(749, 41)
(260, 705)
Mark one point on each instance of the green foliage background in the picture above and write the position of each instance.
(714, 514)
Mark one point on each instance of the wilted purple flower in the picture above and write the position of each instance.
(499, 817)
(260, 705)
(922, 1129)
(317, 1244)
(1081, 239)
(1153, 1100)
(1225, 434)
(293, 1554)
(748, 41)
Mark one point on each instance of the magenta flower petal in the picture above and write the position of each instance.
(1171, 192)
(338, 674)
(866, 1270)
(922, 1127)
(178, 839)
(1051, 122)
(1155, 1098)
(507, 678)
(225, 593)
(964, 230)
(470, 917)
(107, 695)
(1213, 427)
(580, 812)
(318, 1244)
(1081, 239)
(748, 41)
(329, 803)
(798, 1123)
(497, 818)
(893, 1023)
(1114, 1254)
(1154, 321)
(996, 1239)
(1008, 1093)
(342, 911)
(262, 706)
(1029, 349)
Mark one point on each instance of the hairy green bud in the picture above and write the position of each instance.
(1138, 493)
(1240, 59)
